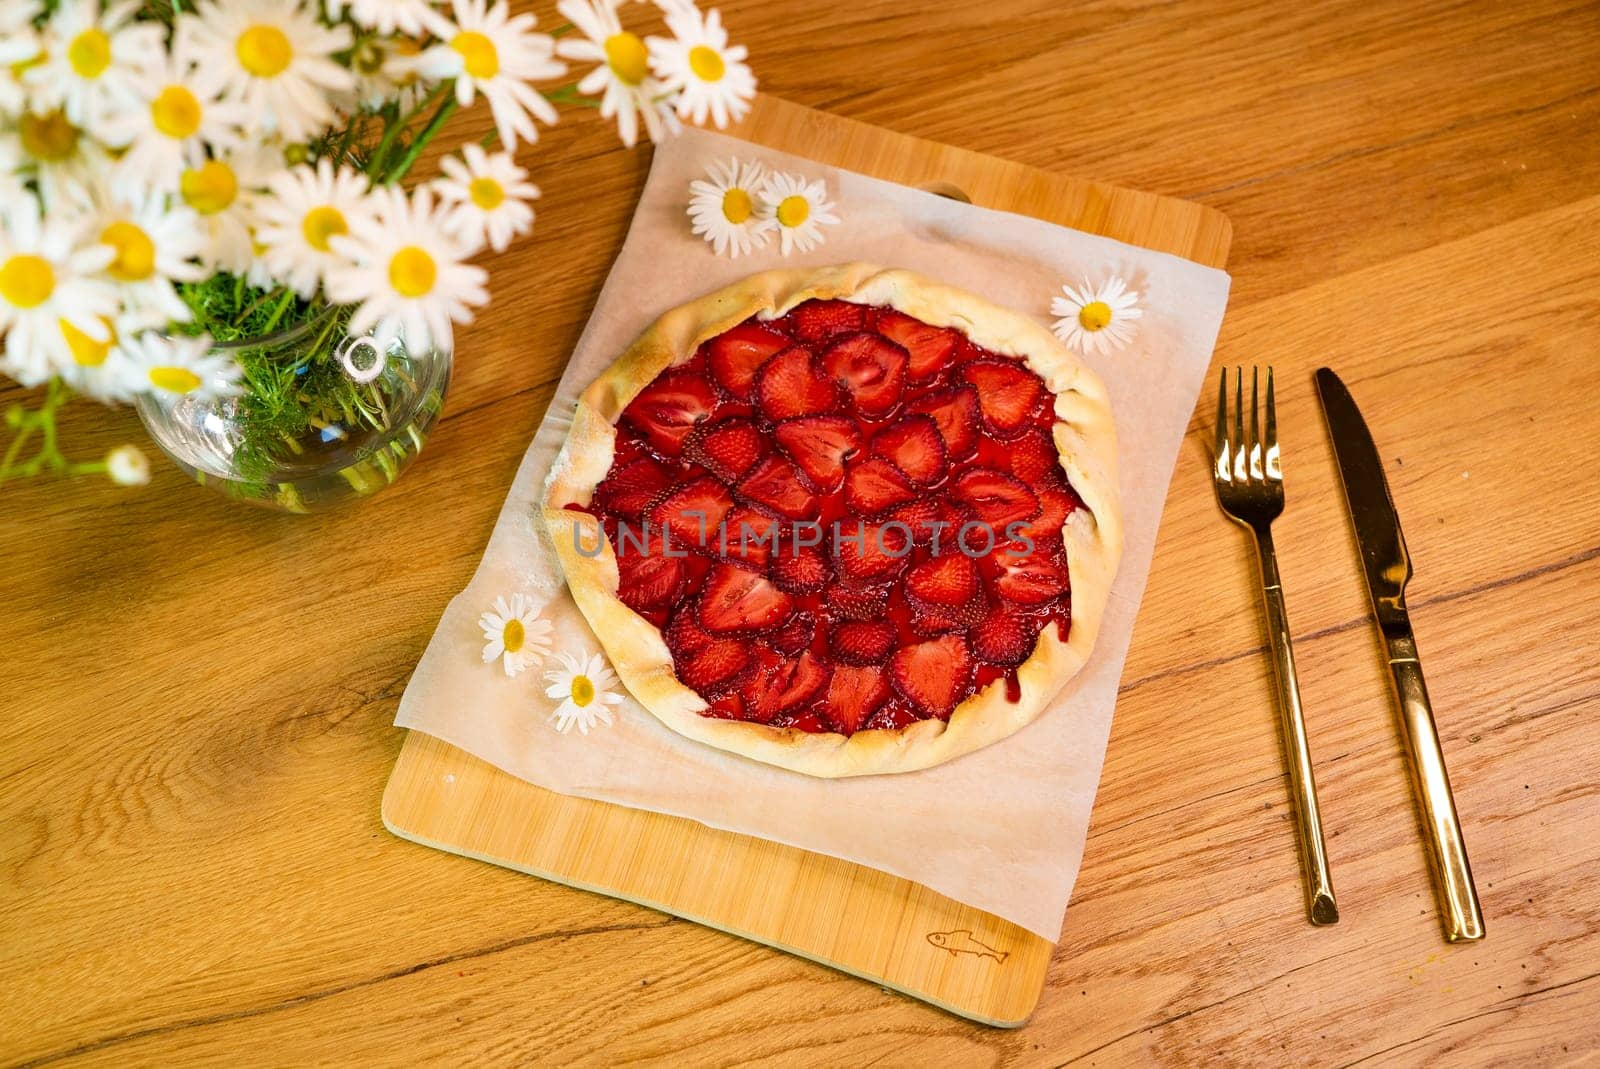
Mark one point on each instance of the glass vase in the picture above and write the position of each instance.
(324, 418)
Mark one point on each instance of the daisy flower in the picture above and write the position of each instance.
(56, 154)
(92, 64)
(514, 634)
(46, 279)
(1097, 320)
(387, 16)
(385, 70)
(274, 57)
(407, 272)
(176, 111)
(709, 77)
(153, 245)
(798, 209)
(488, 195)
(584, 690)
(723, 207)
(98, 368)
(303, 211)
(126, 465)
(223, 191)
(175, 367)
(629, 90)
(491, 51)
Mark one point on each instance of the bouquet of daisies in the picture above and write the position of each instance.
(176, 176)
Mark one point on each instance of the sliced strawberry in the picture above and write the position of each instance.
(929, 622)
(802, 570)
(728, 707)
(854, 694)
(874, 486)
(816, 321)
(790, 384)
(892, 716)
(795, 635)
(628, 491)
(735, 356)
(714, 666)
(806, 723)
(1004, 638)
(1031, 578)
(930, 348)
(862, 641)
(748, 536)
(778, 687)
(956, 413)
(1055, 505)
(820, 445)
(737, 599)
(1008, 393)
(775, 484)
(1034, 459)
(683, 634)
(688, 512)
(871, 367)
(648, 579)
(934, 675)
(997, 499)
(727, 447)
(667, 410)
(931, 520)
(869, 551)
(949, 582)
(852, 602)
(915, 446)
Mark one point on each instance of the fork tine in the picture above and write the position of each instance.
(1255, 424)
(1241, 467)
(1271, 444)
(1219, 453)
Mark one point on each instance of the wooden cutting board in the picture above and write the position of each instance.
(876, 926)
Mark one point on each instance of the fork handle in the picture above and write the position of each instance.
(1320, 905)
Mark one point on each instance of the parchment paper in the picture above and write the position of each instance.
(1001, 829)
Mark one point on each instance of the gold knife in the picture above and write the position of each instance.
(1388, 568)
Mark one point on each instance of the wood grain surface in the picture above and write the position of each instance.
(196, 700)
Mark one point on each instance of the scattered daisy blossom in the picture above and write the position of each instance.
(797, 209)
(623, 80)
(488, 197)
(1097, 320)
(126, 465)
(584, 690)
(723, 207)
(406, 272)
(514, 634)
(489, 50)
(178, 366)
(48, 277)
(274, 57)
(303, 211)
(93, 61)
(709, 77)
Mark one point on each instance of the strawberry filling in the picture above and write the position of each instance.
(842, 519)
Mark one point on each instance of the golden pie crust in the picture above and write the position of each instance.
(1085, 441)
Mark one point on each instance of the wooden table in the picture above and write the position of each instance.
(196, 700)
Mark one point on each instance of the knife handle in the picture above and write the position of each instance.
(1447, 851)
(1321, 907)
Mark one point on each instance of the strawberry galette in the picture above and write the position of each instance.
(845, 521)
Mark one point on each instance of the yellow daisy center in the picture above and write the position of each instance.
(412, 272)
(478, 57)
(174, 379)
(627, 57)
(706, 62)
(736, 205)
(1096, 315)
(582, 691)
(135, 258)
(513, 635)
(210, 187)
(486, 193)
(86, 352)
(48, 137)
(321, 224)
(792, 211)
(176, 112)
(27, 281)
(89, 53)
(264, 51)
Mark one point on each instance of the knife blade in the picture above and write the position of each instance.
(1387, 567)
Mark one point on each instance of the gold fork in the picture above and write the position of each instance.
(1249, 485)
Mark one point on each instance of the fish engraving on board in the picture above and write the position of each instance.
(961, 942)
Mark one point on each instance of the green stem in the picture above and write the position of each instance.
(277, 313)
(381, 154)
(440, 117)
